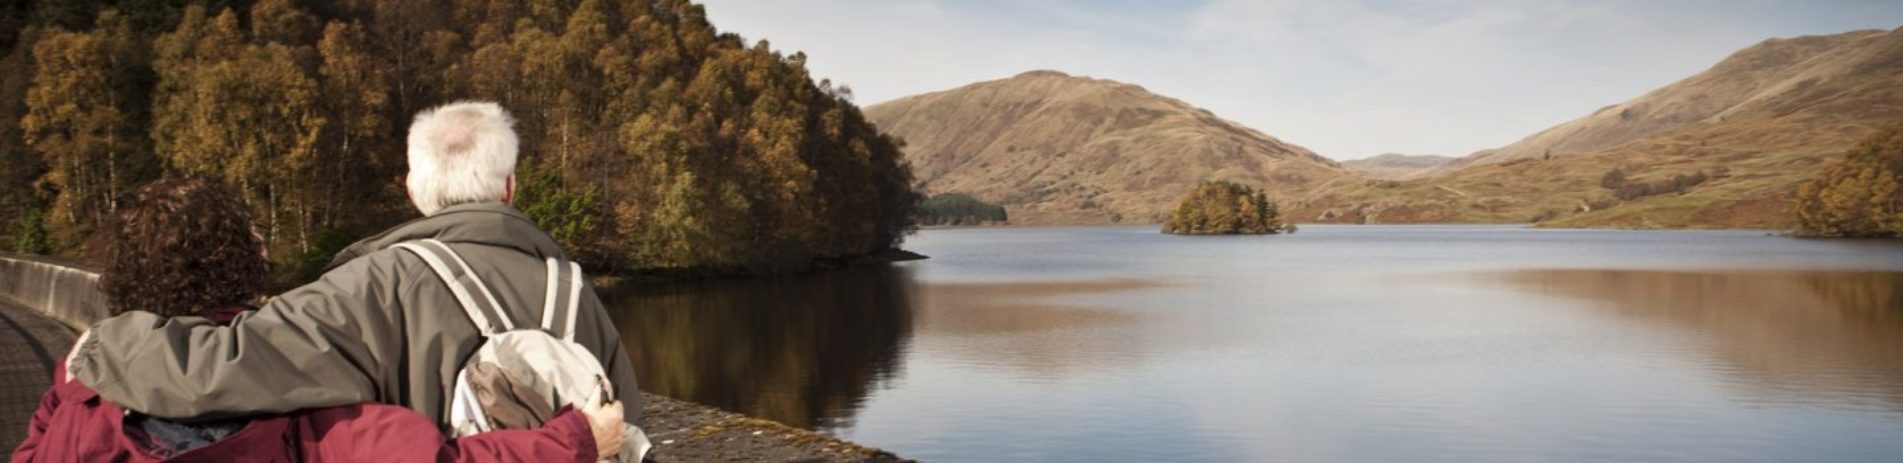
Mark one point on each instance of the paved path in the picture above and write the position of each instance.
(29, 346)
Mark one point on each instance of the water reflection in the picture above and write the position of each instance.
(1026, 307)
(1832, 338)
(802, 350)
(1043, 329)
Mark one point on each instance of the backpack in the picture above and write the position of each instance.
(518, 377)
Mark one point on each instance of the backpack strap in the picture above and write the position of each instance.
(554, 298)
(481, 287)
(574, 300)
(433, 253)
(549, 294)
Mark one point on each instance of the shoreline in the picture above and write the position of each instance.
(824, 264)
(685, 431)
(1526, 225)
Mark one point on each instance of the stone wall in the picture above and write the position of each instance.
(64, 291)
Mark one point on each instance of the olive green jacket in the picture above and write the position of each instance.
(379, 326)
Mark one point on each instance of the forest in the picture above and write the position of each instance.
(650, 140)
(1225, 208)
(1861, 195)
(960, 209)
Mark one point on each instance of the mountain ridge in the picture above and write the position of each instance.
(1724, 147)
(1061, 149)
(1737, 84)
(1752, 127)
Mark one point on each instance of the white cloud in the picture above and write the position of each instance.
(1347, 78)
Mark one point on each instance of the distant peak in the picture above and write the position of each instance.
(1041, 73)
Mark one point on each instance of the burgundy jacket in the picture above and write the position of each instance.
(74, 424)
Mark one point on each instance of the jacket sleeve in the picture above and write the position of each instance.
(377, 432)
(564, 438)
(324, 344)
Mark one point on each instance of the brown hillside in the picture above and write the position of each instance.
(1772, 75)
(1394, 166)
(1756, 124)
(1057, 149)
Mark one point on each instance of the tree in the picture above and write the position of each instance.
(691, 227)
(1860, 195)
(247, 111)
(280, 21)
(413, 37)
(1613, 180)
(1627, 189)
(19, 166)
(32, 237)
(361, 145)
(1224, 208)
(959, 209)
(568, 214)
(649, 139)
(81, 119)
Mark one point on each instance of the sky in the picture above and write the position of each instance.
(1345, 78)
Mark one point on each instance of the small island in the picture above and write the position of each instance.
(1225, 208)
(959, 209)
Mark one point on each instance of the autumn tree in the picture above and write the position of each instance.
(244, 105)
(82, 119)
(1860, 195)
(649, 140)
(414, 37)
(1224, 208)
(361, 149)
(702, 152)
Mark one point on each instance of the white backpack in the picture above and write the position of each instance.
(545, 361)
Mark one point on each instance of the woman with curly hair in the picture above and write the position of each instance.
(185, 246)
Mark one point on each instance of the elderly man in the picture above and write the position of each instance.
(379, 326)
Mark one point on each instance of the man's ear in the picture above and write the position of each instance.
(508, 190)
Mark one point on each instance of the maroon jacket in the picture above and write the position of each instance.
(74, 424)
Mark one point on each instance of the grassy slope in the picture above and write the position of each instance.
(1757, 151)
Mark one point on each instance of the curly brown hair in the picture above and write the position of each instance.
(183, 247)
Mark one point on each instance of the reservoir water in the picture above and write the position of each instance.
(1337, 343)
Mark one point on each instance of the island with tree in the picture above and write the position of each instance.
(1225, 208)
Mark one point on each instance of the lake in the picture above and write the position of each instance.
(1337, 343)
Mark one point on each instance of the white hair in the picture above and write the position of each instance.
(462, 152)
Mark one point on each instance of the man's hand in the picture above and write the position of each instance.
(606, 421)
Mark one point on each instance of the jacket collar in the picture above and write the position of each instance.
(489, 223)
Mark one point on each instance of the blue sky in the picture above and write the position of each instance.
(1346, 78)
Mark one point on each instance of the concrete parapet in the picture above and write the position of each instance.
(62, 290)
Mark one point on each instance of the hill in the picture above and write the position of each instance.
(1756, 124)
(1395, 166)
(1059, 149)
